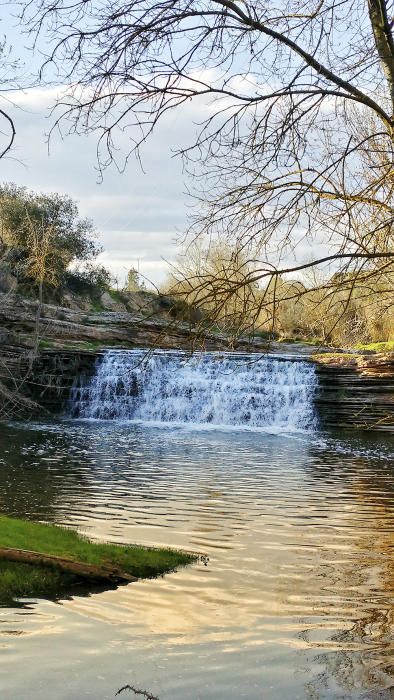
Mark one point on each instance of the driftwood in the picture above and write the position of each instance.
(86, 571)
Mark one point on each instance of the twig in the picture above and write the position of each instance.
(138, 691)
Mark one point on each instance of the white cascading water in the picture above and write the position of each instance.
(224, 389)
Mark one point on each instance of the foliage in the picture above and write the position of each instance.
(90, 280)
(334, 356)
(202, 279)
(32, 223)
(377, 347)
(338, 317)
(39, 263)
(312, 309)
(117, 295)
(134, 281)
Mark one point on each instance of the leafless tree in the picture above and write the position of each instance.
(7, 126)
(297, 144)
(39, 265)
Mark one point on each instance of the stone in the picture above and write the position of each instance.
(76, 302)
(8, 283)
(356, 391)
(111, 304)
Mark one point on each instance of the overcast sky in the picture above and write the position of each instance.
(139, 213)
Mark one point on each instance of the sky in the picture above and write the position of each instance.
(140, 214)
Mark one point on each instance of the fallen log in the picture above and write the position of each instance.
(87, 571)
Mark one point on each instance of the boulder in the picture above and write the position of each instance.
(110, 304)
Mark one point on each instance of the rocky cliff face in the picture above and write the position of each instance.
(356, 391)
(63, 327)
(30, 388)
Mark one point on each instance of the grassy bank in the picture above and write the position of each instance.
(28, 580)
(339, 357)
(387, 346)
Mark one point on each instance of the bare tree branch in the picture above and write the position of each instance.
(295, 149)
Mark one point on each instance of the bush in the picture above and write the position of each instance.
(93, 280)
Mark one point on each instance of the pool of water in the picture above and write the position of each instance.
(296, 600)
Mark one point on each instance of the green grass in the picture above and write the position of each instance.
(301, 340)
(266, 335)
(98, 344)
(18, 580)
(92, 344)
(96, 305)
(386, 346)
(89, 345)
(326, 356)
(43, 343)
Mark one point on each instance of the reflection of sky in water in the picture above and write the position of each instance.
(297, 599)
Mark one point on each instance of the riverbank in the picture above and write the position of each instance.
(55, 561)
(70, 329)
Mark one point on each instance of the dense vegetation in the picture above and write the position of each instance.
(50, 251)
(291, 161)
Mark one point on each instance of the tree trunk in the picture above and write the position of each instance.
(86, 571)
(38, 319)
(381, 27)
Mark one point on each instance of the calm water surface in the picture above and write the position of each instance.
(297, 598)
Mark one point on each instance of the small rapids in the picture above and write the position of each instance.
(218, 389)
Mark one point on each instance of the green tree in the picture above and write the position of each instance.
(134, 283)
(72, 238)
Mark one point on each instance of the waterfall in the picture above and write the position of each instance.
(224, 389)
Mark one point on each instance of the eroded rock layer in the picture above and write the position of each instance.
(356, 391)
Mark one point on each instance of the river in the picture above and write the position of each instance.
(295, 602)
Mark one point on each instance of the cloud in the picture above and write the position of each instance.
(138, 249)
(139, 213)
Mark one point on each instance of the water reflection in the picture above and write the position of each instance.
(297, 600)
(363, 584)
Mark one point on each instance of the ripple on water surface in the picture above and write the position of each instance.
(297, 597)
